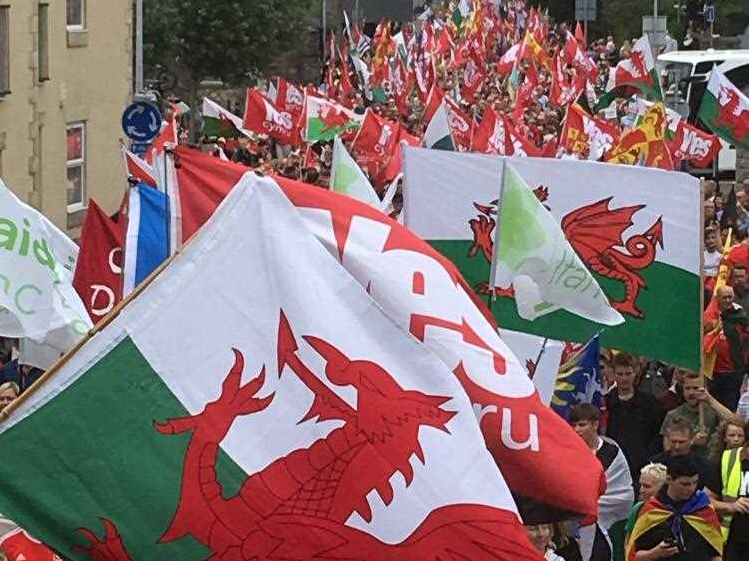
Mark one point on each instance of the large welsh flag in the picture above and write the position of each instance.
(725, 110)
(636, 229)
(225, 413)
(419, 289)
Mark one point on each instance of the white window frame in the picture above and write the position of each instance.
(78, 162)
(76, 26)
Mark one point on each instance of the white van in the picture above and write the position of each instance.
(684, 79)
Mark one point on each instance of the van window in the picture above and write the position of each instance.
(706, 66)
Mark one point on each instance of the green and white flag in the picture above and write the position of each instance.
(636, 229)
(327, 119)
(347, 177)
(253, 400)
(534, 258)
(725, 110)
(218, 121)
(38, 301)
(438, 135)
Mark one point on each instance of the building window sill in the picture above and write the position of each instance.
(77, 38)
(75, 218)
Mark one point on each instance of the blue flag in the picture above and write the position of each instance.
(147, 238)
(579, 380)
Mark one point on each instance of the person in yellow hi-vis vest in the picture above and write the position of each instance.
(733, 507)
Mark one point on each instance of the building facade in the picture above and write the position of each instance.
(65, 78)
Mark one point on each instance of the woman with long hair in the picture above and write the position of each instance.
(729, 434)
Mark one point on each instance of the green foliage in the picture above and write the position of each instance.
(228, 40)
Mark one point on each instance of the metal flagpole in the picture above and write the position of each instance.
(138, 46)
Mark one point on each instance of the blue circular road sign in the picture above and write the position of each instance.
(141, 121)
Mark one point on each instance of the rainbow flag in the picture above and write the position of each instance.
(697, 512)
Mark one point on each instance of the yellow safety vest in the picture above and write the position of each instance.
(730, 472)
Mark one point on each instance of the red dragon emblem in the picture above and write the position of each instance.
(596, 233)
(295, 509)
(334, 119)
(731, 114)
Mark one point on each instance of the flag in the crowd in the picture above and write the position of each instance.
(473, 77)
(646, 143)
(218, 121)
(441, 310)
(326, 119)
(638, 71)
(166, 138)
(693, 145)
(637, 229)
(508, 61)
(461, 12)
(516, 144)
(574, 54)
(376, 137)
(18, 545)
(673, 118)
(146, 235)
(289, 97)
(587, 136)
(565, 89)
(725, 110)
(38, 299)
(533, 257)
(98, 271)
(346, 177)
(458, 120)
(262, 117)
(365, 450)
(138, 168)
(540, 356)
(438, 134)
(579, 380)
(696, 512)
(489, 137)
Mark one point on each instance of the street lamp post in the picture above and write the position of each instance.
(138, 46)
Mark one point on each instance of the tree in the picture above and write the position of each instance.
(227, 40)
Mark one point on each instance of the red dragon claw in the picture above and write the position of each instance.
(286, 343)
(109, 548)
(217, 416)
(628, 308)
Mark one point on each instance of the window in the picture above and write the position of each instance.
(4, 50)
(76, 147)
(76, 14)
(43, 43)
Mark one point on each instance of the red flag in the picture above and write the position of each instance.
(139, 169)
(436, 95)
(97, 277)
(587, 136)
(261, 116)
(517, 145)
(565, 88)
(580, 34)
(508, 60)
(17, 545)
(574, 55)
(395, 161)
(461, 124)
(693, 145)
(346, 87)
(376, 137)
(289, 97)
(489, 137)
(474, 75)
(168, 135)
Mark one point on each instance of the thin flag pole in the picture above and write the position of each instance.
(495, 249)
